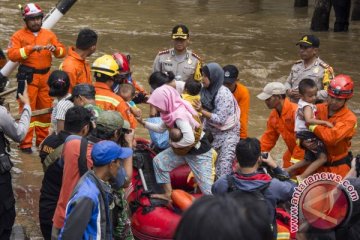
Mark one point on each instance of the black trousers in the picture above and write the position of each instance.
(7, 206)
(342, 14)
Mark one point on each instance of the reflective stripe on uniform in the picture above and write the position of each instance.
(61, 51)
(23, 53)
(283, 236)
(39, 124)
(107, 99)
(294, 160)
(312, 128)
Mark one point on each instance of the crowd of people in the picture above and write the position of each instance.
(200, 111)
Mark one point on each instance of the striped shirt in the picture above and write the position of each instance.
(59, 111)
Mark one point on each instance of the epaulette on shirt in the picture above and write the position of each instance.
(298, 61)
(195, 55)
(164, 52)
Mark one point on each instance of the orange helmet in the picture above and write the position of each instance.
(342, 86)
(32, 10)
(123, 61)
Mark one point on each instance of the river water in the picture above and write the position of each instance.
(258, 36)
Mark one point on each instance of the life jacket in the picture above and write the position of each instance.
(182, 199)
(197, 134)
(283, 225)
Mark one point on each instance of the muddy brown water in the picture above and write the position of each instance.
(258, 36)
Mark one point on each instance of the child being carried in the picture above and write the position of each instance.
(192, 92)
(127, 92)
(305, 116)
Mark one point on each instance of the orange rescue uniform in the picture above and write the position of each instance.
(20, 50)
(283, 125)
(242, 96)
(106, 99)
(337, 140)
(77, 68)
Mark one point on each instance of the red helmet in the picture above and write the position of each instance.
(32, 10)
(123, 61)
(342, 86)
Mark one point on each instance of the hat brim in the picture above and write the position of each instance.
(229, 80)
(263, 96)
(126, 125)
(180, 37)
(71, 98)
(125, 153)
(304, 43)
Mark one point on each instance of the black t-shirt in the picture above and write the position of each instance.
(51, 184)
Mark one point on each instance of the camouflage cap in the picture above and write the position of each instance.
(110, 120)
(126, 125)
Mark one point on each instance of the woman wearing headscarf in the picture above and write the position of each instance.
(222, 114)
(157, 79)
(193, 148)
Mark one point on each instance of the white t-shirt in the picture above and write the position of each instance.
(300, 124)
(180, 86)
(59, 111)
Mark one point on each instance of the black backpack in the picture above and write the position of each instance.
(258, 194)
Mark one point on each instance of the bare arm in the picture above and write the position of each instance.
(60, 125)
(16, 131)
(309, 118)
(128, 162)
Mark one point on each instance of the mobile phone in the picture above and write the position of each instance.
(20, 88)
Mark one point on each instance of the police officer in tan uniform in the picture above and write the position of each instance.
(310, 66)
(16, 131)
(181, 61)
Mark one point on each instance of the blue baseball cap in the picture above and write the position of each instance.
(105, 152)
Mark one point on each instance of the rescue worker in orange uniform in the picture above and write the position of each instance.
(281, 122)
(125, 76)
(33, 48)
(337, 140)
(241, 94)
(75, 64)
(105, 70)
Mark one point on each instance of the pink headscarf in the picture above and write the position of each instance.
(172, 105)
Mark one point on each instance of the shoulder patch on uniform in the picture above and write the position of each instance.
(298, 61)
(324, 65)
(195, 55)
(164, 52)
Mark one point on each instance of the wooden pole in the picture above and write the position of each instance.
(10, 90)
(35, 113)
